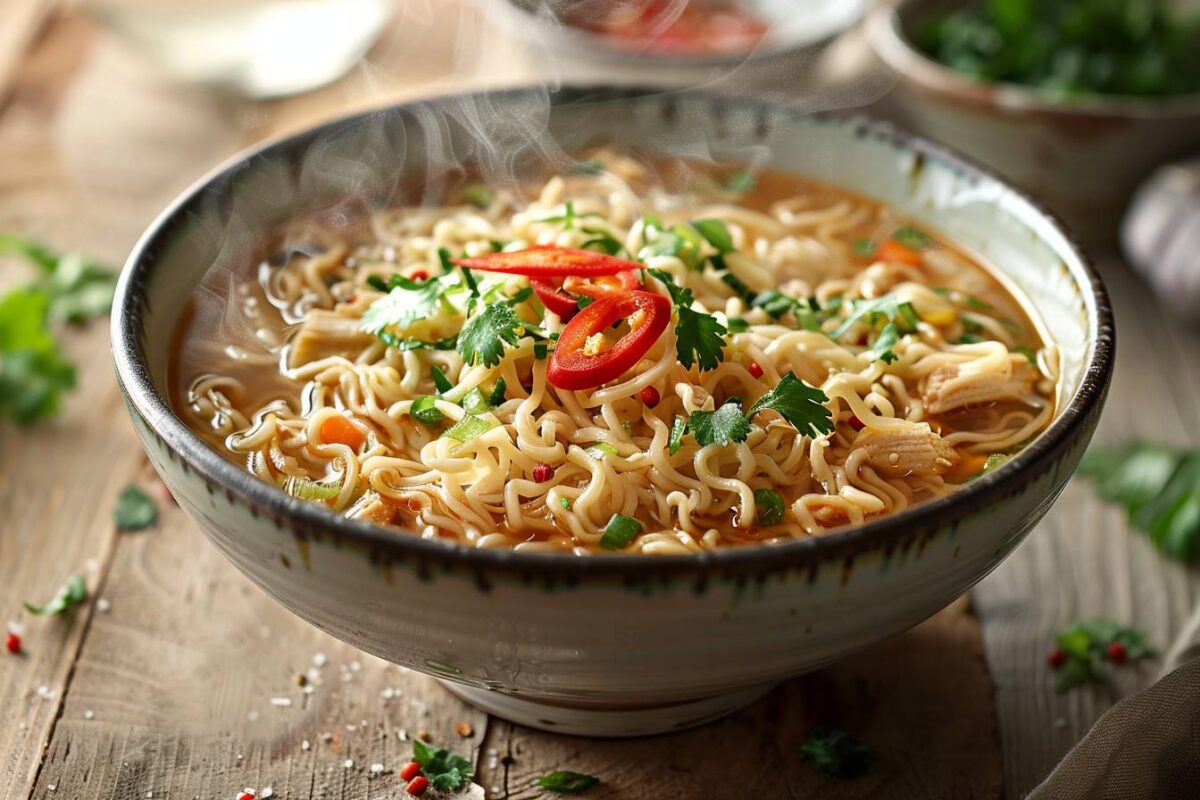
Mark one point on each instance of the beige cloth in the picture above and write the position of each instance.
(1146, 746)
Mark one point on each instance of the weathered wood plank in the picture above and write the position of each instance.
(923, 701)
(1084, 562)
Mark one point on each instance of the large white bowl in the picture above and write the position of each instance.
(607, 645)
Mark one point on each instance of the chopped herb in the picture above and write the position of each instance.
(565, 503)
(737, 325)
(726, 424)
(671, 243)
(601, 449)
(865, 248)
(770, 506)
(716, 232)
(652, 222)
(1084, 646)
(33, 373)
(540, 350)
(72, 593)
(583, 302)
(440, 381)
(135, 510)
(740, 182)
(1027, 352)
(601, 240)
(675, 440)
(993, 461)
(1159, 488)
(567, 782)
(836, 753)
(774, 303)
(472, 287)
(484, 335)
(888, 307)
(590, 167)
(403, 344)
(308, 489)
(444, 259)
(968, 338)
(619, 532)
(882, 349)
(467, 428)
(911, 237)
(474, 402)
(446, 771)
(424, 410)
(798, 403)
(377, 283)
(478, 195)
(497, 396)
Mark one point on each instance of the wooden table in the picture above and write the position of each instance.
(179, 681)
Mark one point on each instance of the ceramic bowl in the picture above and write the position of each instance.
(613, 644)
(785, 60)
(1083, 157)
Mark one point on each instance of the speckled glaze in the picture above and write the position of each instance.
(1082, 157)
(608, 645)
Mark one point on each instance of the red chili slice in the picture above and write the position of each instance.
(602, 285)
(548, 261)
(572, 369)
(554, 298)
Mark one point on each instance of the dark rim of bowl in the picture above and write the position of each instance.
(886, 32)
(605, 48)
(886, 532)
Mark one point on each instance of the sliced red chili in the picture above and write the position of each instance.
(572, 368)
(554, 298)
(602, 285)
(548, 261)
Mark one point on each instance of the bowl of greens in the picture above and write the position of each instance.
(1076, 100)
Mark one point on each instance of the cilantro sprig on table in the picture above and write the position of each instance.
(72, 593)
(446, 771)
(135, 510)
(1083, 647)
(566, 782)
(1159, 488)
(836, 753)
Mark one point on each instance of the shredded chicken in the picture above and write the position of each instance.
(948, 388)
(373, 508)
(326, 334)
(911, 448)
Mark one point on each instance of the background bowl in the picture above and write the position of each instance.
(1083, 157)
(607, 645)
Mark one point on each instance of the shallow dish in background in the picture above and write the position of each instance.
(1084, 157)
(782, 61)
(622, 644)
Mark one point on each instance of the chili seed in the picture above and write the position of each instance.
(543, 472)
(409, 771)
(419, 275)
(1056, 658)
(856, 423)
(13, 644)
(756, 370)
(417, 785)
(1117, 653)
(650, 397)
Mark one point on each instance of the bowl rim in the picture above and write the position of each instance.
(885, 32)
(887, 531)
(570, 36)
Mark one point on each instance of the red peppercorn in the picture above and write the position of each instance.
(418, 785)
(1117, 652)
(856, 423)
(1056, 658)
(409, 771)
(755, 369)
(419, 275)
(13, 644)
(650, 397)
(246, 796)
(543, 472)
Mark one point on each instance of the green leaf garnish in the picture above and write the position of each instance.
(440, 381)
(496, 398)
(716, 232)
(726, 424)
(135, 510)
(467, 428)
(446, 771)
(619, 532)
(675, 440)
(888, 307)
(1085, 646)
(911, 237)
(484, 335)
(79, 289)
(406, 303)
(478, 195)
(567, 782)
(798, 403)
(601, 449)
(740, 182)
(865, 248)
(72, 593)
(307, 489)
(881, 349)
(33, 373)
(836, 753)
(737, 325)
(424, 410)
(770, 506)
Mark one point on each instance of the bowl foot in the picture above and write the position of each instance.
(606, 722)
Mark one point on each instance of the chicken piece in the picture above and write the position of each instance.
(908, 448)
(325, 334)
(948, 387)
(373, 508)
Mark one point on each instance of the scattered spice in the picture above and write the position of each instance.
(299, 679)
(543, 472)
(12, 643)
(566, 782)
(755, 369)
(836, 753)
(1087, 644)
(417, 785)
(409, 771)
(424, 736)
(856, 423)
(246, 796)
(464, 729)
(650, 397)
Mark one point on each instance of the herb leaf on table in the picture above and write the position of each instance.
(72, 593)
(836, 753)
(446, 771)
(135, 510)
(1084, 646)
(566, 782)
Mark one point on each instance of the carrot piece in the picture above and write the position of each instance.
(336, 429)
(891, 250)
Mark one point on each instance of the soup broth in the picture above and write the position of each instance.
(779, 358)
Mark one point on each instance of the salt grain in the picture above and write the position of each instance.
(252, 715)
(282, 702)
(267, 792)
(319, 660)
(103, 605)
(305, 745)
(351, 728)
(376, 768)
(348, 763)
(89, 714)
(326, 737)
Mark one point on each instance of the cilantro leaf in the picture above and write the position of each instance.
(889, 307)
(798, 403)
(565, 782)
(726, 424)
(699, 337)
(716, 232)
(497, 396)
(403, 343)
(407, 303)
(770, 506)
(911, 237)
(135, 510)
(836, 753)
(33, 373)
(484, 335)
(1084, 646)
(882, 350)
(440, 381)
(737, 325)
(619, 532)
(80, 289)
(72, 593)
(446, 771)
(1159, 488)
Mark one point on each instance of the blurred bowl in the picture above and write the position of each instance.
(784, 59)
(1083, 156)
